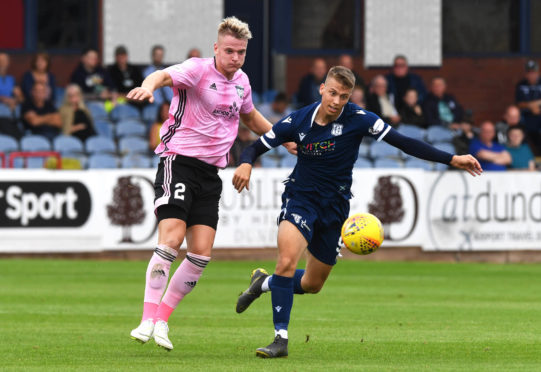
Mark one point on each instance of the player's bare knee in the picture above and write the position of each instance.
(312, 287)
(173, 242)
(285, 266)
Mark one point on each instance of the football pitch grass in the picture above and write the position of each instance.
(370, 316)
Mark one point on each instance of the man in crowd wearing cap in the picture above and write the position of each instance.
(124, 75)
(528, 98)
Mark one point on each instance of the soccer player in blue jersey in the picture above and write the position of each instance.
(317, 193)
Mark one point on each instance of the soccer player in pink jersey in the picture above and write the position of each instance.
(210, 94)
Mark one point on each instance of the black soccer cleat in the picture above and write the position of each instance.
(278, 349)
(254, 290)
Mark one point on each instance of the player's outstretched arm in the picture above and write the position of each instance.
(257, 123)
(152, 82)
(468, 163)
(241, 178)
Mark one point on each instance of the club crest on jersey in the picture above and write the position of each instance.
(240, 91)
(337, 129)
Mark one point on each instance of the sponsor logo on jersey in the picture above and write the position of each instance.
(213, 86)
(287, 120)
(270, 134)
(227, 111)
(337, 129)
(317, 148)
(278, 308)
(240, 91)
(301, 136)
(377, 127)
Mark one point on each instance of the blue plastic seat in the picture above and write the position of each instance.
(130, 128)
(288, 161)
(67, 145)
(136, 161)
(129, 145)
(5, 111)
(268, 95)
(104, 128)
(412, 131)
(364, 150)
(437, 133)
(419, 164)
(150, 112)
(445, 146)
(97, 110)
(102, 161)
(440, 167)
(8, 144)
(363, 163)
(35, 143)
(155, 161)
(379, 150)
(387, 163)
(269, 161)
(97, 144)
(125, 111)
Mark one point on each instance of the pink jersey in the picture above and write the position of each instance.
(204, 114)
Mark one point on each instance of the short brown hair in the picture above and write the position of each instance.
(234, 27)
(343, 75)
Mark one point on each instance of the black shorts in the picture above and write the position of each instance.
(188, 189)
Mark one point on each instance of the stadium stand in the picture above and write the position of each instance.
(130, 128)
(380, 150)
(104, 128)
(123, 112)
(102, 161)
(136, 161)
(363, 163)
(133, 145)
(35, 142)
(435, 134)
(387, 163)
(68, 146)
(97, 144)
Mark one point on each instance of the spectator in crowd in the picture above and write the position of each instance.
(277, 109)
(491, 155)
(92, 77)
(511, 118)
(194, 53)
(411, 112)
(39, 114)
(39, 73)
(154, 134)
(357, 96)
(164, 94)
(399, 80)
(380, 103)
(521, 155)
(243, 140)
(440, 107)
(528, 99)
(308, 92)
(465, 134)
(76, 119)
(10, 94)
(124, 75)
(347, 61)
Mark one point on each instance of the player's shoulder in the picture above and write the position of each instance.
(357, 114)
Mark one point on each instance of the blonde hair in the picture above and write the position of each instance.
(234, 27)
(67, 112)
(343, 75)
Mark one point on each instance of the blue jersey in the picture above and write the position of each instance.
(326, 154)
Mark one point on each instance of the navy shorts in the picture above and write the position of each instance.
(320, 222)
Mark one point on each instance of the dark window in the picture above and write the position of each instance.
(480, 26)
(326, 24)
(66, 24)
(535, 16)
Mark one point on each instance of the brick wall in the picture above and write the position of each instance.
(485, 85)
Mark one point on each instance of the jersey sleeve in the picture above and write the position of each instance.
(247, 104)
(373, 126)
(186, 74)
(281, 132)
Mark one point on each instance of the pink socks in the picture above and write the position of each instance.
(182, 283)
(156, 279)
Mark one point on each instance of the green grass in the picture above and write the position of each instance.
(370, 316)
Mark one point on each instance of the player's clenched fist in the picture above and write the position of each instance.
(140, 94)
(241, 178)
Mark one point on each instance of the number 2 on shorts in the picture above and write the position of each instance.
(179, 190)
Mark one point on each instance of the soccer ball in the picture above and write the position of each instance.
(362, 233)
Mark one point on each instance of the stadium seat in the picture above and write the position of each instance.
(268, 95)
(104, 128)
(97, 111)
(269, 161)
(363, 163)
(67, 145)
(155, 161)
(8, 144)
(125, 111)
(99, 144)
(412, 131)
(256, 98)
(130, 128)
(436, 134)
(136, 161)
(135, 145)
(440, 167)
(387, 163)
(379, 150)
(444, 146)
(364, 150)
(98, 161)
(5, 111)
(418, 163)
(35, 143)
(150, 112)
(288, 161)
